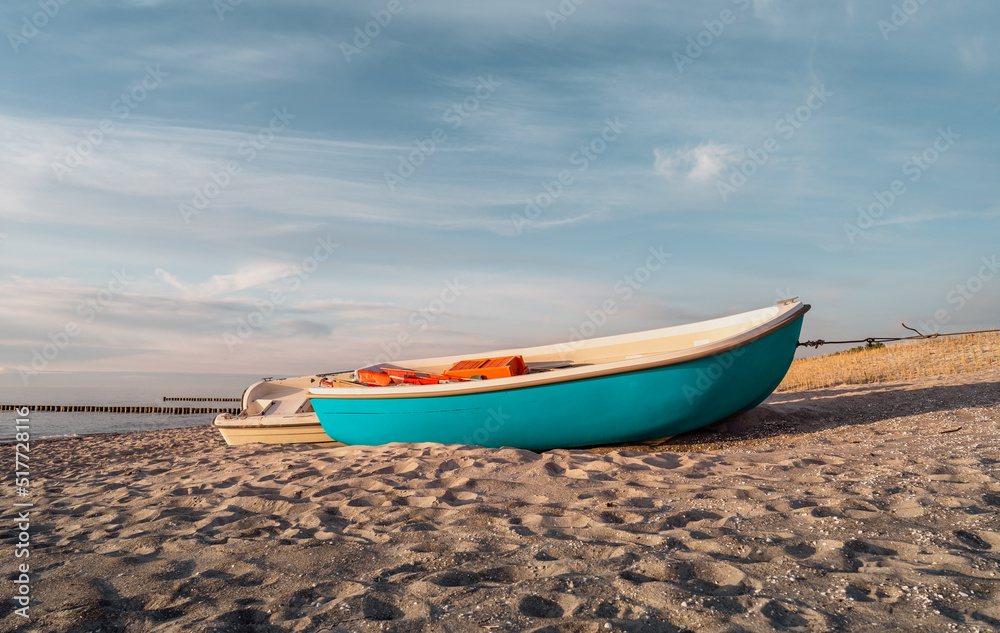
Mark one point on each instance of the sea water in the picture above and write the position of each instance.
(114, 389)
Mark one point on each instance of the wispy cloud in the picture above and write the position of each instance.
(916, 218)
(217, 285)
(767, 9)
(972, 52)
(269, 58)
(698, 164)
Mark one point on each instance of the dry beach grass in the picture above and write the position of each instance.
(846, 508)
(942, 356)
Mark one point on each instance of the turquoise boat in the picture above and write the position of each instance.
(625, 388)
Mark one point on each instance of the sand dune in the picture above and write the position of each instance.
(851, 508)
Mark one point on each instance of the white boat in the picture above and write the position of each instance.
(275, 411)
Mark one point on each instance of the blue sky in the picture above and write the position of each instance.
(265, 188)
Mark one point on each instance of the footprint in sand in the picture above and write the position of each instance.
(666, 461)
(635, 577)
(538, 607)
(681, 520)
(373, 606)
(800, 550)
(368, 501)
(781, 617)
(567, 520)
(246, 620)
(972, 540)
(177, 570)
(420, 501)
(459, 498)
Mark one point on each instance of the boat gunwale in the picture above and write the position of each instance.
(272, 425)
(570, 374)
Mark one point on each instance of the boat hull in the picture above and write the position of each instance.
(625, 407)
(306, 433)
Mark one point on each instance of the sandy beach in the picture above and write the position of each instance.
(851, 508)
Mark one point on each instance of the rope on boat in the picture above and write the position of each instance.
(871, 340)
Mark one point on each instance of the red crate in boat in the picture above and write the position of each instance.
(488, 367)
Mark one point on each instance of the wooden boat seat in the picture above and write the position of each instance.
(534, 368)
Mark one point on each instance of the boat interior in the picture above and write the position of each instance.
(623, 347)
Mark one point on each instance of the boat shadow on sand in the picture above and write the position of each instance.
(799, 413)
